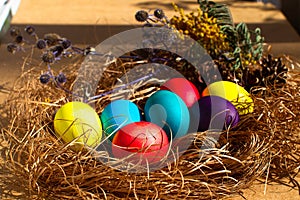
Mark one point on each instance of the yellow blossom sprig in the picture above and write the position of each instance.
(202, 28)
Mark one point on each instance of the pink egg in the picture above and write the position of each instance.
(145, 140)
(185, 89)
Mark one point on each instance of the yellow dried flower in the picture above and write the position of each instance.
(201, 28)
(175, 7)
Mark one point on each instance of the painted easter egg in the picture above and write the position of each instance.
(234, 93)
(213, 113)
(167, 110)
(117, 114)
(145, 140)
(185, 89)
(78, 122)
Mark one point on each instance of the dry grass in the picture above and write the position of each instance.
(264, 146)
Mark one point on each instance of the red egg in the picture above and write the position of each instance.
(185, 89)
(144, 141)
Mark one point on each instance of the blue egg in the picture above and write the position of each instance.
(118, 114)
(168, 110)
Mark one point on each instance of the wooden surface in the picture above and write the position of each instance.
(91, 21)
(120, 12)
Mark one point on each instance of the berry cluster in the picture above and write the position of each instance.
(53, 47)
(157, 16)
(18, 38)
(46, 78)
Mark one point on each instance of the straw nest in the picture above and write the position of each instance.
(265, 145)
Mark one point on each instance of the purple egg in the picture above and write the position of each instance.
(213, 113)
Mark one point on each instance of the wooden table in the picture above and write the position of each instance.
(91, 21)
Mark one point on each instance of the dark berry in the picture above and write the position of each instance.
(66, 43)
(141, 15)
(52, 38)
(30, 30)
(61, 78)
(57, 50)
(12, 48)
(45, 78)
(14, 32)
(41, 44)
(19, 39)
(159, 13)
(48, 57)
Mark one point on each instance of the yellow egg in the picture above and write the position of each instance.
(234, 93)
(78, 122)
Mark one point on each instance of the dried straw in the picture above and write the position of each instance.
(264, 146)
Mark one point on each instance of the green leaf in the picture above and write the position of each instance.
(219, 11)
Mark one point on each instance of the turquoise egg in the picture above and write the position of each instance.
(118, 114)
(167, 110)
